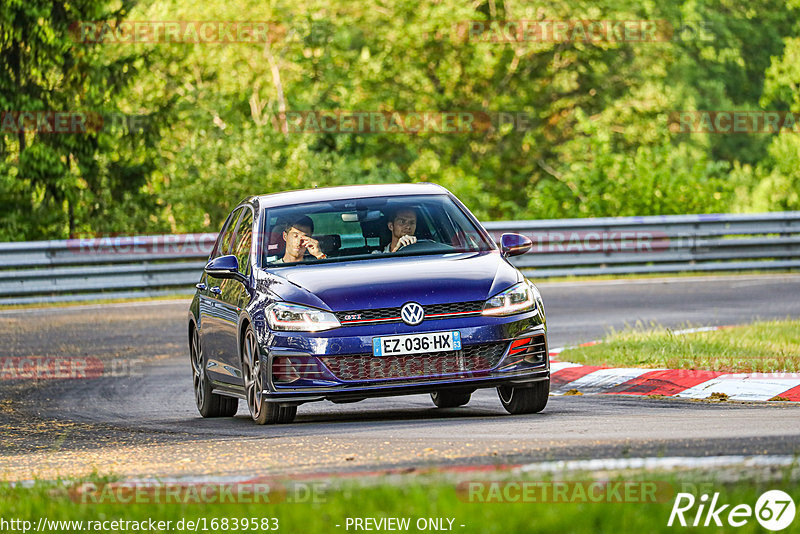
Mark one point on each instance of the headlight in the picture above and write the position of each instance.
(517, 298)
(297, 318)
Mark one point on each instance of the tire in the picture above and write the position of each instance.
(528, 399)
(208, 404)
(261, 411)
(286, 415)
(450, 399)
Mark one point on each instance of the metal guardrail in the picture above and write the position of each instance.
(122, 267)
(657, 244)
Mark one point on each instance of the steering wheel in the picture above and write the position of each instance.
(421, 243)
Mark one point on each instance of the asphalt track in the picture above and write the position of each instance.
(143, 423)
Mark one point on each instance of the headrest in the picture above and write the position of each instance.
(376, 228)
(275, 242)
(330, 242)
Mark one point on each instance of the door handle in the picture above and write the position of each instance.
(201, 286)
(216, 290)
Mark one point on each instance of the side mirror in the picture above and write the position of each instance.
(514, 244)
(225, 268)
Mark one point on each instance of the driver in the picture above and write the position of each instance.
(402, 224)
(297, 235)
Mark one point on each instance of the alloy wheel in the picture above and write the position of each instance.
(253, 383)
(198, 370)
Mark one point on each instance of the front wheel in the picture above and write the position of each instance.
(261, 411)
(208, 404)
(525, 399)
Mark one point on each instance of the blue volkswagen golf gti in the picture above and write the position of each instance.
(348, 293)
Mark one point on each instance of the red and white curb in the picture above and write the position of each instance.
(683, 383)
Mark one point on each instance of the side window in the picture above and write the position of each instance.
(223, 246)
(244, 240)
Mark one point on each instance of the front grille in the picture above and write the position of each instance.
(472, 359)
(432, 311)
(455, 307)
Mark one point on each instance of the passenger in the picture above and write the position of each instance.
(297, 235)
(403, 225)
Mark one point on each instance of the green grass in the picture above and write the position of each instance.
(434, 499)
(764, 346)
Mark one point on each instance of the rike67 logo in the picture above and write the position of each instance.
(774, 510)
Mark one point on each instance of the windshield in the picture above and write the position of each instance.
(362, 229)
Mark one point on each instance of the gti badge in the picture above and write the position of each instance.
(412, 313)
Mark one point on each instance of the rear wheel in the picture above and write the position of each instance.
(450, 399)
(208, 404)
(527, 399)
(261, 411)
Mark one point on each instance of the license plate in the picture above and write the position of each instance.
(416, 343)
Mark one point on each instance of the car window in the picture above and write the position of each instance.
(243, 240)
(223, 245)
(359, 229)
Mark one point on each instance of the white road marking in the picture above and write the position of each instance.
(604, 379)
(744, 387)
(558, 366)
(671, 462)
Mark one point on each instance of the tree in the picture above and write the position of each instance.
(56, 184)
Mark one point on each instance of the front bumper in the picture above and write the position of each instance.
(351, 393)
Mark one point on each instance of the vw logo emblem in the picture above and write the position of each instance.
(412, 313)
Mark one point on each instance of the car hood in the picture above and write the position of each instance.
(392, 281)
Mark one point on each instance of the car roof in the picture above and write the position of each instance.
(323, 194)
